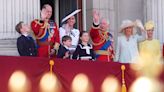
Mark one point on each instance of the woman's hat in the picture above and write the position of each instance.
(125, 24)
(70, 15)
(149, 25)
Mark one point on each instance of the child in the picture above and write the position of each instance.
(25, 44)
(63, 51)
(84, 50)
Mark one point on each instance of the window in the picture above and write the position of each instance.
(65, 7)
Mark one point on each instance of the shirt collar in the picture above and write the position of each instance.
(25, 34)
(66, 46)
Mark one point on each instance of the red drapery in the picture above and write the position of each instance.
(163, 50)
(65, 70)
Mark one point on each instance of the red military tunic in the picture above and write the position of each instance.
(47, 36)
(102, 44)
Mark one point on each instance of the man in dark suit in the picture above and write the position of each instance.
(25, 44)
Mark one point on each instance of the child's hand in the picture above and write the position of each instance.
(52, 52)
(66, 55)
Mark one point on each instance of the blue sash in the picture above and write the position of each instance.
(104, 47)
(47, 33)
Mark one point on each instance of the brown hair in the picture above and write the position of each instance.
(18, 27)
(81, 34)
(65, 38)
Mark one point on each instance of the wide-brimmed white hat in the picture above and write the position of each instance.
(70, 15)
(125, 24)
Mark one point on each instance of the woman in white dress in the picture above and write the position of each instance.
(68, 29)
(127, 44)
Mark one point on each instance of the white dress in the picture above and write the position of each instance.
(74, 34)
(127, 50)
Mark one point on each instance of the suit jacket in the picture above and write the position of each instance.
(26, 46)
(61, 52)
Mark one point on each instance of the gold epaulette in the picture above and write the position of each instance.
(37, 22)
(41, 24)
(44, 27)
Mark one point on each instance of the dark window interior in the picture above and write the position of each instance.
(65, 8)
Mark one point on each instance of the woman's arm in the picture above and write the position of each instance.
(143, 32)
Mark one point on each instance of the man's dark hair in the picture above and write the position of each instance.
(65, 38)
(18, 27)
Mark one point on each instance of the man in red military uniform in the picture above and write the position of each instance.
(46, 33)
(102, 40)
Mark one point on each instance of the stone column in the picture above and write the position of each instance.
(107, 9)
(154, 10)
(13, 11)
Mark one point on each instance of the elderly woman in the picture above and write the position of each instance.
(127, 44)
(68, 29)
(150, 48)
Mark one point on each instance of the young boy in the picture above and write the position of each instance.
(25, 43)
(63, 51)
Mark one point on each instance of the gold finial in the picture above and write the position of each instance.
(51, 62)
(123, 67)
(123, 78)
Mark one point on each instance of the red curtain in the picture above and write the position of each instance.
(65, 70)
(163, 51)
